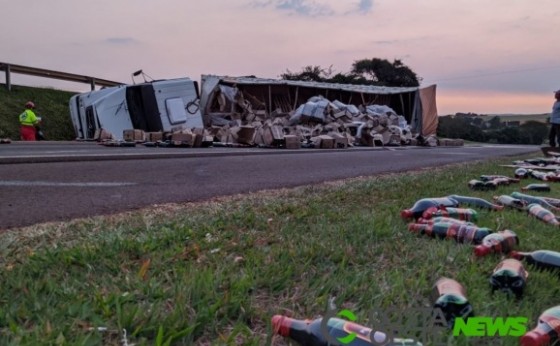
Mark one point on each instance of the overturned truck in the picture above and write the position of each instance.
(270, 112)
(157, 106)
(258, 112)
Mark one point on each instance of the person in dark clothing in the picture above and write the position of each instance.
(554, 134)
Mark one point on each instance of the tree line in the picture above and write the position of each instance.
(492, 131)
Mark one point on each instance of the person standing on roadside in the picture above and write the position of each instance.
(554, 134)
(28, 120)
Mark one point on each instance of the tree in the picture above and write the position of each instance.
(366, 72)
(308, 74)
(534, 132)
(460, 127)
(508, 135)
(383, 72)
(349, 78)
(494, 123)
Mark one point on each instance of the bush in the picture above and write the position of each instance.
(471, 129)
(460, 127)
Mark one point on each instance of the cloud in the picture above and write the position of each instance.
(365, 6)
(120, 40)
(305, 8)
(386, 42)
(312, 8)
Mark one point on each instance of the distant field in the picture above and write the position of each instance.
(521, 117)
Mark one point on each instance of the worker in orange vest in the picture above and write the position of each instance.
(28, 120)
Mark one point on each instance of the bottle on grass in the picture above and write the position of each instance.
(310, 332)
(450, 296)
(465, 214)
(540, 259)
(510, 277)
(501, 242)
(547, 330)
(422, 204)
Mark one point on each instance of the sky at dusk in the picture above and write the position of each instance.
(486, 57)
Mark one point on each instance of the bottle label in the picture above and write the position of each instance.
(541, 213)
(449, 286)
(552, 318)
(467, 234)
(494, 241)
(513, 265)
(501, 242)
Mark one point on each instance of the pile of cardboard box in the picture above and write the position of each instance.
(196, 137)
(319, 123)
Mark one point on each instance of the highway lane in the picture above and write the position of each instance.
(33, 193)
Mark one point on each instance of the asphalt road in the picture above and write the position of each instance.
(44, 182)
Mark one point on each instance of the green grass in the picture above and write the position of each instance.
(51, 105)
(215, 273)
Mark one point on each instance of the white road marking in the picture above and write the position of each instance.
(52, 183)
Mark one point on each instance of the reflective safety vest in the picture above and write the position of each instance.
(28, 118)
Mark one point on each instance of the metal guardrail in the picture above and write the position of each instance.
(40, 72)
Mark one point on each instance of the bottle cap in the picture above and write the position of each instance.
(482, 250)
(281, 325)
(407, 214)
(534, 338)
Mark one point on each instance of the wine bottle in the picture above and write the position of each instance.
(311, 333)
(465, 214)
(533, 199)
(421, 205)
(540, 259)
(502, 181)
(542, 214)
(450, 296)
(538, 175)
(555, 202)
(501, 177)
(521, 173)
(547, 330)
(482, 185)
(552, 176)
(536, 187)
(475, 201)
(444, 219)
(510, 277)
(441, 230)
(508, 201)
(501, 242)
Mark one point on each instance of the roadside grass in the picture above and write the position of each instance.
(214, 273)
(51, 105)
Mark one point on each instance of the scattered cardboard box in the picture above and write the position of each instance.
(292, 142)
(154, 136)
(134, 135)
(246, 135)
